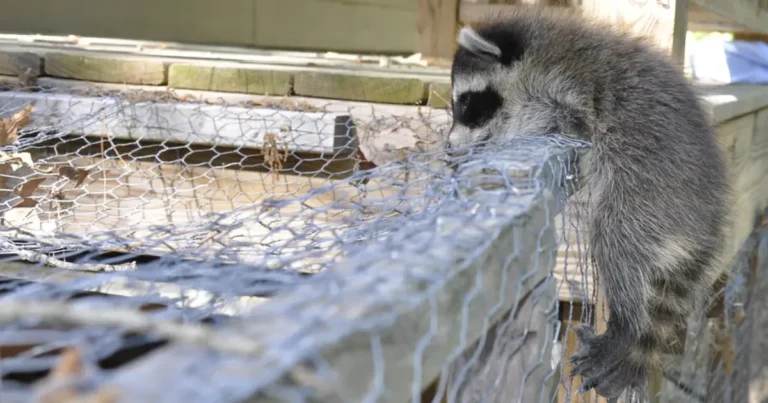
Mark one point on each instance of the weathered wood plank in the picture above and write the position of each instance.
(357, 86)
(106, 69)
(725, 102)
(437, 26)
(499, 283)
(470, 13)
(380, 128)
(120, 285)
(230, 78)
(195, 21)
(131, 199)
(16, 63)
(370, 26)
(237, 126)
(527, 375)
(733, 15)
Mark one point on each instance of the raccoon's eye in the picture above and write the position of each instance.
(475, 108)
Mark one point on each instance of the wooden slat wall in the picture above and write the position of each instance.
(387, 26)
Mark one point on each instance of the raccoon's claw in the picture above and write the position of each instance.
(603, 364)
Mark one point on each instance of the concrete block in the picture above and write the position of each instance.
(106, 69)
(245, 80)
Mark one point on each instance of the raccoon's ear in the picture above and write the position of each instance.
(473, 42)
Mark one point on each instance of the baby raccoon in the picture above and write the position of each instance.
(658, 208)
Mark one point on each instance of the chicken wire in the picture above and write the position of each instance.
(723, 359)
(213, 249)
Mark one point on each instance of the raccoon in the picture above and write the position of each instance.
(659, 189)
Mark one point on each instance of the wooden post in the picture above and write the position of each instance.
(750, 36)
(437, 26)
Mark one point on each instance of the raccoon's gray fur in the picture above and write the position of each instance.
(658, 208)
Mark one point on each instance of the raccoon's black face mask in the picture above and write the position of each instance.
(479, 73)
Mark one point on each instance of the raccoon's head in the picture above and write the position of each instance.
(482, 77)
(509, 79)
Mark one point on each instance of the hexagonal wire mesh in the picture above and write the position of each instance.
(162, 247)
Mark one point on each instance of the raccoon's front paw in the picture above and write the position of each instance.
(603, 364)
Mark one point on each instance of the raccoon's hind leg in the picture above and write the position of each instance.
(650, 288)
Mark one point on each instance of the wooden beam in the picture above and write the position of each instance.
(125, 286)
(680, 31)
(236, 126)
(437, 25)
(750, 37)
(742, 15)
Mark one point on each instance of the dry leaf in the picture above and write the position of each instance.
(9, 128)
(81, 177)
(363, 162)
(17, 160)
(8, 133)
(75, 174)
(26, 203)
(68, 172)
(21, 118)
(27, 189)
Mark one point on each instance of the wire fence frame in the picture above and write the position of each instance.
(414, 275)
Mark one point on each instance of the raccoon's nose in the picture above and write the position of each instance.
(452, 152)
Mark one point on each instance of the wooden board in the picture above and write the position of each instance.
(728, 16)
(437, 27)
(154, 292)
(364, 26)
(188, 123)
(135, 200)
(382, 129)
